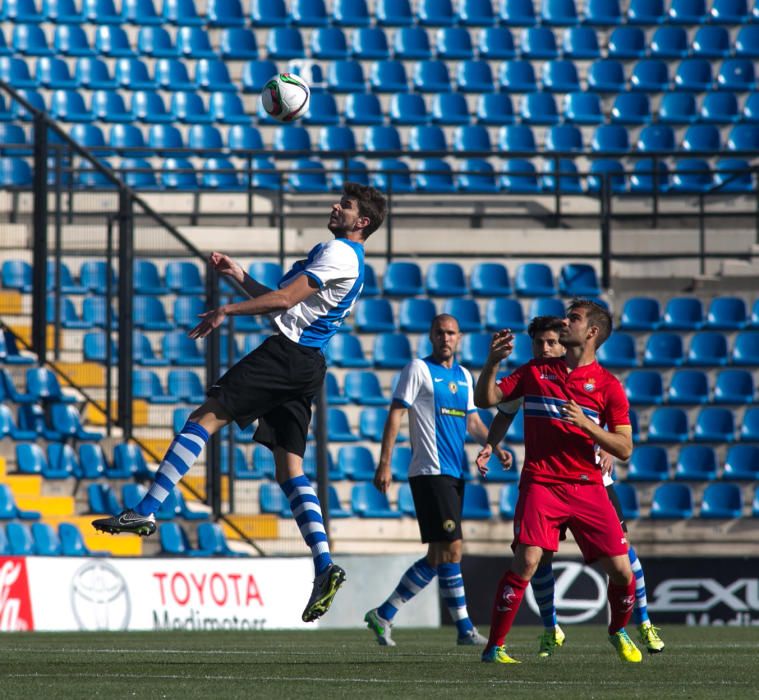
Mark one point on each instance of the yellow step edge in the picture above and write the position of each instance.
(10, 302)
(2, 467)
(158, 446)
(22, 484)
(96, 414)
(86, 374)
(48, 505)
(254, 527)
(198, 483)
(117, 545)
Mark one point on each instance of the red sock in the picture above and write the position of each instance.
(508, 596)
(621, 600)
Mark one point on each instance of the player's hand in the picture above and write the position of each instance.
(482, 459)
(504, 457)
(211, 320)
(572, 413)
(224, 265)
(501, 345)
(382, 478)
(606, 462)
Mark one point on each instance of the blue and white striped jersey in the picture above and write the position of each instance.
(438, 400)
(338, 268)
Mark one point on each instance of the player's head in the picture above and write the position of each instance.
(445, 337)
(544, 333)
(360, 209)
(586, 321)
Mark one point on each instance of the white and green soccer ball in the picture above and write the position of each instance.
(285, 97)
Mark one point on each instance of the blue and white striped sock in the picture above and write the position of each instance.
(417, 576)
(307, 512)
(180, 456)
(452, 591)
(543, 584)
(640, 611)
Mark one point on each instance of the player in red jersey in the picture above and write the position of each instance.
(567, 403)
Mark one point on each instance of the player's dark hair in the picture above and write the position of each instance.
(541, 324)
(597, 316)
(371, 204)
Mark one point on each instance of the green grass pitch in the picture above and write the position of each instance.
(698, 662)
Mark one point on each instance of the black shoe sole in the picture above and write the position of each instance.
(320, 607)
(142, 531)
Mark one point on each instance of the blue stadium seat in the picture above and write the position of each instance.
(54, 73)
(538, 43)
(734, 386)
(517, 76)
(668, 424)
(149, 314)
(560, 76)
(387, 76)
(610, 138)
(631, 108)
(109, 106)
(68, 106)
(677, 107)
(95, 310)
(656, 138)
(672, 502)
(212, 75)
(344, 350)
(517, 137)
(369, 44)
(184, 278)
(701, 137)
(578, 280)
(628, 498)
(403, 278)
(112, 41)
(179, 174)
(696, 463)
(726, 313)
(750, 426)
(743, 137)
(561, 176)
(328, 43)
(185, 385)
(322, 110)
(644, 387)
(17, 274)
(181, 350)
(391, 351)
(399, 464)
(149, 107)
(189, 108)
(646, 12)
(546, 306)
(494, 109)
(308, 176)
(367, 502)
(193, 42)
(496, 44)
(721, 501)
(650, 75)
(415, 315)
(683, 314)
(627, 43)
(693, 74)
(719, 108)
(466, 311)
(729, 12)
(42, 384)
(518, 176)
(603, 13)
(538, 108)
(71, 40)
(733, 175)
(435, 13)
(392, 172)
(364, 389)
(490, 280)
(475, 505)
(351, 13)
(707, 349)
(224, 13)
(517, 13)
(285, 43)
(669, 43)
(256, 73)
(29, 40)
(336, 509)
(476, 175)
(710, 43)
(127, 140)
(335, 396)
(691, 176)
(374, 316)
(504, 313)
(688, 386)
(687, 11)
(742, 463)
(406, 109)
(534, 280)
(607, 172)
(141, 13)
(580, 44)
(475, 13)
(68, 314)
(363, 109)
(648, 463)
(393, 13)
(20, 542)
(273, 501)
(445, 279)
(474, 349)
(356, 462)
(507, 501)
(746, 45)
(431, 76)
(412, 43)
(559, 13)
(371, 423)
(449, 108)
(453, 43)
(664, 349)
(736, 75)
(15, 71)
(714, 424)
(345, 77)
(606, 75)
(649, 176)
(474, 77)
(171, 74)
(213, 542)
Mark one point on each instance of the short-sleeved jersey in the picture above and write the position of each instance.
(438, 400)
(556, 450)
(337, 267)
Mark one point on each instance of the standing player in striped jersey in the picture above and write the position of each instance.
(437, 393)
(544, 332)
(276, 383)
(567, 401)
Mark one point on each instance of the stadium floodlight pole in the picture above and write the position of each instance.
(39, 252)
(213, 347)
(322, 455)
(126, 304)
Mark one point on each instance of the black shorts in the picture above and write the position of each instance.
(438, 501)
(612, 494)
(275, 384)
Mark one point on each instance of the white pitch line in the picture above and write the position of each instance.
(381, 681)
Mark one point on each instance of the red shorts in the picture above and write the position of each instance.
(585, 509)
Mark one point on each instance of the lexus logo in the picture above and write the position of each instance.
(100, 597)
(569, 574)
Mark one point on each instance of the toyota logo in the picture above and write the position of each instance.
(569, 574)
(100, 597)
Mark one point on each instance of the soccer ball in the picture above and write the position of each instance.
(285, 97)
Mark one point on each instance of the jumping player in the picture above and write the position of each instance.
(544, 333)
(567, 401)
(276, 383)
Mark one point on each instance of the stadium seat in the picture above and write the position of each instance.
(183, 13)
(746, 348)
(719, 108)
(371, 424)
(367, 502)
(714, 424)
(518, 175)
(185, 385)
(750, 426)
(338, 428)
(345, 77)
(707, 349)
(742, 463)
(736, 75)
(650, 75)
(406, 109)
(538, 43)
(474, 349)
(344, 350)
(213, 542)
(490, 280)
(356, 462)
(691, 176)
(369, 44)
(449, 108)
(431, 76)
(721, 501)
(733, 175)
(664, 349)
(496, 44)
(20, 542)
(726, 313)
(696, 463)
(669, 42)
(504, 313)
(546, 306)
(560, 76)
(610, 138)
(677, 108)
(402, 278)
(627, 43)
(648, 463)
(603, 13)
(559, 13)
(363, 388)
(668, 424)
(65, 419)
(538, 108)
(445, 279)
(534, 280)
(729, 12)
(687, 12)
(683, 314)
(42, 385)
(476, 175)
(415, 315)
(578, 280)
(466, 312)
(631, 108)
(644, 387)
(391, 351)
(494, 109)
(8, 508)
(628, 498)
(672, 502)
(507, 501)
(743, 137)
(393, 13)
(363, 109)
(688, 386)
(193, 43)
(606, 75)
(701, 138)
(618, 351)
(351, 13)
(474, 77)
(374, 316)
(517, 76)
(475, 504)
(387, 77)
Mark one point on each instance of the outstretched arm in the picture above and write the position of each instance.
(224, 265)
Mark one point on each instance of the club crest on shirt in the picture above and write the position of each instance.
(453, 387)
(449, 525)
(590, 385)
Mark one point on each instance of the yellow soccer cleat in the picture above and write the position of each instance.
(497, 655)
(550, 640)
(626, 649)
(649, 636)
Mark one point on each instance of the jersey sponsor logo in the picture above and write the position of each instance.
(549, 377)
(15, 601)
(453, 387)
(704, 594)
(590, 385)
(579, 595)
(438, 379)
(455, 412)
